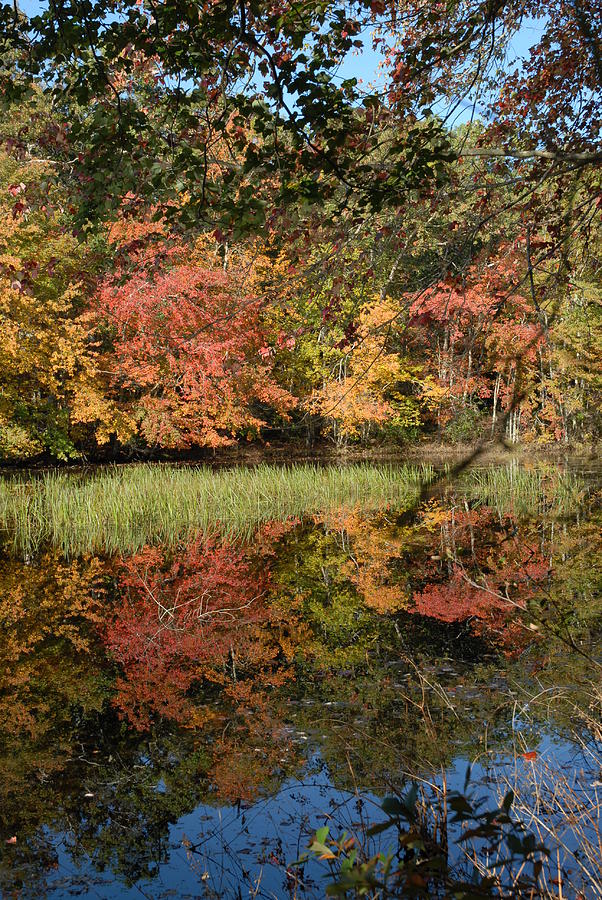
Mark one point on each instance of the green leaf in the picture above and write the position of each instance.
(393, 807)
(322, 834)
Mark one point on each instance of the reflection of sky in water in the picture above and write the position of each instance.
(236, 845)
(219, 852)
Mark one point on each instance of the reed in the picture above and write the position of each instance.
(526, 491)
(121, 509)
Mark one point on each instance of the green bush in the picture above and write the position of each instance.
(465, 426)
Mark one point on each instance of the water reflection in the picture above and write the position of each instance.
(169, 708)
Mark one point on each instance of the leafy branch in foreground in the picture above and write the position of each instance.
(423, 863)
(242, 107)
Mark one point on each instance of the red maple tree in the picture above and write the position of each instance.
(186, 355)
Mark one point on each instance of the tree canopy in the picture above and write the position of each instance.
(210, 232)
(228, 113)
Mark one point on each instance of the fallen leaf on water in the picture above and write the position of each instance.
(532, 754)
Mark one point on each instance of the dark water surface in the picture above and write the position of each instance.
(178, 721)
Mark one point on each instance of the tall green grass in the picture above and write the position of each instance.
(122, 509)
(526, 491)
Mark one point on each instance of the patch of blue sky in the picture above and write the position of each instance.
(366, 64)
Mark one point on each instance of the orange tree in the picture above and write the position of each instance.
(184, 347)
(51, 390)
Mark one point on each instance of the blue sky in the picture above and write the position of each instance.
(364, 64)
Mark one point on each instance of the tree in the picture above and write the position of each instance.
(370, 385)
(152, 89)
(51, 392)
(185, 355)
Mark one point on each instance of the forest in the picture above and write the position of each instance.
(300, 392)
(214, 233)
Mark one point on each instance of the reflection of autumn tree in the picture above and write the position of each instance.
(330, 646)
(361, 670)
(376, 546)
(96, 780)
(198, 618)
(372, 678)
(568, 606)
(312, 575)
(49, 675)
(511, 579)
(46, 611)
(456, 563)
(256, 752)
(482, 571)
(182, 619)
(353, 575)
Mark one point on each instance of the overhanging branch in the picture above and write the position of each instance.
(554, 155)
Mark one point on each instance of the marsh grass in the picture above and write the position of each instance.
(526, 491)
(119, 510)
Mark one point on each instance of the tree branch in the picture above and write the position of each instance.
(554, 155)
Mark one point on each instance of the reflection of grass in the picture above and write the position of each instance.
(120, 510)
(513, 489)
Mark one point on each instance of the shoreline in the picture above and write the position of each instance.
(434, 452)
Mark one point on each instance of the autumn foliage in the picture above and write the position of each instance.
(185, 355)
(393, 277)
(52, 395)
(181, 621)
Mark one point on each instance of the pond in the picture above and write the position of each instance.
(202, 670)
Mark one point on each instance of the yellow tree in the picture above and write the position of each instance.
(371, 384)
(51, 393)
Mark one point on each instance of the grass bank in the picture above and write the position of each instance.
(522, 491)
(119, 510)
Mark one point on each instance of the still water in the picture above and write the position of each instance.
(178, 720)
